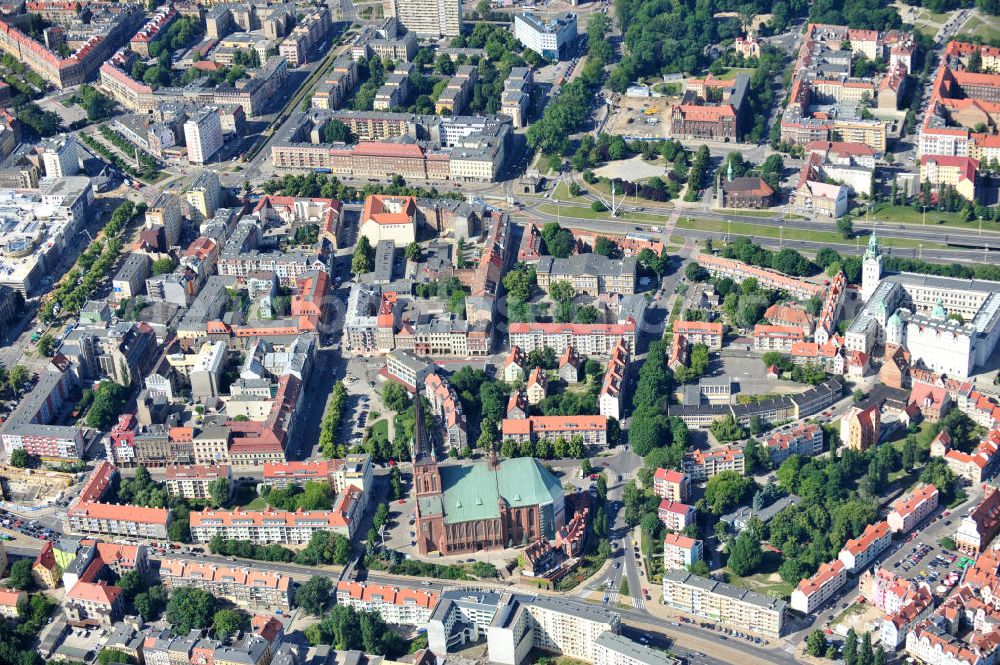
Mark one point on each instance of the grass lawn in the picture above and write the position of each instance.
(577, 212)
(259, 503)
(562, 193)
(762, 583)
(908, 215)
(750, 213)
(731, 73)
(976, 26)
(604, 188)
(761, 231)
(856, 608)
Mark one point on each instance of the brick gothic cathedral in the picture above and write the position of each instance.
(488, 505)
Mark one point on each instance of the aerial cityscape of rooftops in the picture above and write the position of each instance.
(556, 332)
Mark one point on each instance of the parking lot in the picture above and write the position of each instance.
(918, 557)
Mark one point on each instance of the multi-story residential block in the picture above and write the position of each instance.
(700, 332)
(737, 270)
(859, 428)
(9, 600)
(814, 195)
(951, 171)
(731, 606)
(27, 426)
(557, 625)
(457, 93)
(588, 339)
(671, 485)
(858, 553)
(87, 514)
(405, 367)
(443, 19)
(515, 100)
(203, 136)
(775, 338)
(204, 195)
(60, 158)
(610, 400)
(389, 218)
(412, 607)
(675, 515)
(909, 511)
(310, 31)
(679, 551)
(613, 649)
(554, 39)
(592, 274)
(804, 440)
(45, 570)
(980, 526)
(885, 590)
(593, 430)
(701, 465)
(515, 365)
(128, 281)
(108, 29)
(537, 386)
(446, 405)
(192, 481)
(813, 592)
(247, 587)
(277, 526)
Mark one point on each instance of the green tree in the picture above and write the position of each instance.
(218, 491)
(726, 490)
(727, 429)
(45, 344)
(562, 291)
(20, 575)
(190, 608)
(845, 227)
(19, 457)
(131, 583)
(413, 252)
(363, 258)
(163, 266)
(394, 397)
(816, 643)
(851, 648)
(745, 555)
(227, 622)
(314, 595)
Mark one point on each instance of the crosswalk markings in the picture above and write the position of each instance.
(788, 646)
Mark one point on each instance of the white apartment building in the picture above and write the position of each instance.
(679, 551)
(909, 511)
(438, 18)
(60, 158)
(812, 592)
(858, 553)
(203, 136)
(723, 603)
(191, 481)
(411, 607)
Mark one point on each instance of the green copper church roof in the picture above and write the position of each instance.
(473, 492)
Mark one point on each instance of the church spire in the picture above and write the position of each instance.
(873, 248)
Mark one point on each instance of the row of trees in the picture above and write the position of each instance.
(330, 424)
(324, 548)
(565, 113)
(330, 187)
(93, 265)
